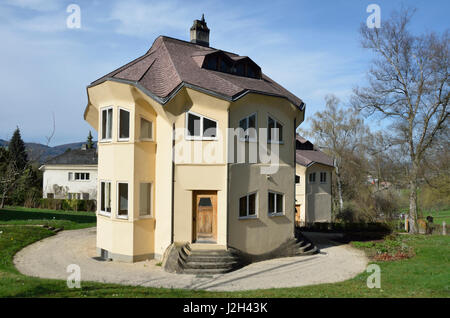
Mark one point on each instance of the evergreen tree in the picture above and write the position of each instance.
(17, 150)
(90, 143)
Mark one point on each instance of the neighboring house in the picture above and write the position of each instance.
(71, 175)
(313, 184)
(188, 94)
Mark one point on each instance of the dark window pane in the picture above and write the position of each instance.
(279, 203)
(240, 69)
(252, 204)
(193, 125)
(205, 202)
(124, 131)
(87, 176)
(104, 120)
(271, 202)
(297, 179)
(109, 125)
(212, 63)
(252, 127)
(224, 66)
(209, 128)
(146, 129)
(102, 196)
(251, 71)
(243, 206)
(271, 125)
(123, 199)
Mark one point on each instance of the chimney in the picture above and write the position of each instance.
(200, 32)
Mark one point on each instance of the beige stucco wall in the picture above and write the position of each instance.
(314, 198)
(263, 233)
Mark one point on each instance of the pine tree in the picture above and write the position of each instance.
(90, 143)
(17, 150)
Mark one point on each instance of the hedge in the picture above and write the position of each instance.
(380, 227)
(68, 204)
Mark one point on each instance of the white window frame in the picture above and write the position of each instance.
(325, 173)
(255, 216)
(280, 142)
(276, 203)
(81, 180)
(201, 137)
(101, 124)
(140, 129)
(246, 135)
(101, 212)
(118, 124)
(122, 217)
(309, 177)
(149, 216)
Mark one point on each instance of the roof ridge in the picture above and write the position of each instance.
(171, 61)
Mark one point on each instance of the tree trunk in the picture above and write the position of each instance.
(413, 202)
(339, 184)
(2, 203)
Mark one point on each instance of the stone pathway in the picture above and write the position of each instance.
(50, 257)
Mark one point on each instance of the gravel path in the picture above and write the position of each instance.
(50, 257)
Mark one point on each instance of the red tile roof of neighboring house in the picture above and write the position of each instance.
(171, 64)
(309, 157)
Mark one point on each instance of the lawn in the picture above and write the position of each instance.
(425, 275)
(439, 216)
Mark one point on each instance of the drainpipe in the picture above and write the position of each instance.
(173, 185)
(228, 178)
(295, 170)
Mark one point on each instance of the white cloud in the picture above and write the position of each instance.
(36, 5)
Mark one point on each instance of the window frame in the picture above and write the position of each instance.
(150, 215)
(276, 203)
(118, 124)
(309, 177)
(325, 178)
(123, 217)
(201, 137)
(246, 135)
(86, 174)
(140, 129)
(280, 142)
(101, 123)
(248, 216)
(104, 212)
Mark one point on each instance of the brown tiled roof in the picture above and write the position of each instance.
(309, 157)
(171, 64)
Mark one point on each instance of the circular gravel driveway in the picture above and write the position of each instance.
(50, 257)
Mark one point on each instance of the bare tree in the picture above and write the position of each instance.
(339, 132)
(408, 86)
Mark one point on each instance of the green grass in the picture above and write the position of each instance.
(425, 275)
(69, 220)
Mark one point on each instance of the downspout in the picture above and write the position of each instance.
(295, 170)
(173, 185)
(228, 179)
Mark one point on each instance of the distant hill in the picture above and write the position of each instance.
(41, 153)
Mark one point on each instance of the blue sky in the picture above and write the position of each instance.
(310, 47)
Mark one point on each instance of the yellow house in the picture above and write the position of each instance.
(173, 165)
(313, 184)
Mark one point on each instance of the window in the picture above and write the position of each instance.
(107, 116)
(247, 206)
(122, 200)
(312, 177)
(248, 125)
(145, 199)
(275, 130)
(50, 195)
(297, 179)
(146, 129)
(323, 177)
(200, 127)
(70, 177)
(124, 124)
(105, 197)
(79, 176)
(276, 203)
(85, 196)
(73, 196)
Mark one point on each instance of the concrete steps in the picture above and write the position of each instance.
(201, 260)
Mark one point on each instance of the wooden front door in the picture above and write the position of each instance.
(204, 217)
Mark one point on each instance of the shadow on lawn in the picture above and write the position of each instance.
(15, 215)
